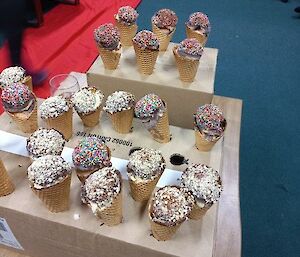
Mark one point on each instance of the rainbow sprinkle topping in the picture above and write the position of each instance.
(107, 36)
(91, 153)
(209, 120)
(165, 19)
(16, 97)
(199, 21)
(191, 48)
(146, 39)
(148, 106)
(127, 15)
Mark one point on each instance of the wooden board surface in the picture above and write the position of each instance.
(228, 229)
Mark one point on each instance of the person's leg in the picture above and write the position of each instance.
(14, 38)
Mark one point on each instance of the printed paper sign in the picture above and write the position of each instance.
(7, 237)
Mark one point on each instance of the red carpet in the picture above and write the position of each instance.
(65, 42)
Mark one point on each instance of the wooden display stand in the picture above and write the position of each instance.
(164, 82)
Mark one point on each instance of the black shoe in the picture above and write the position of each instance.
(297, 9)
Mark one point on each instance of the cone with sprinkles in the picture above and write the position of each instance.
(168, 209)
(205, 184)
(57, 112)
(163, 26)
(198, 27)
(144, 170)
(21, 105)
(126, 23)
(146, 47)
(187, 56)
(102, 191)
(87, 103)
(120, 108)
(153, 112)
(209, 126)
(15, 74)
(6, 185)
(90, 155)
(107, 38)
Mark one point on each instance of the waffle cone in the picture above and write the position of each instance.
(126, 33)
(202, 144)
(109, 58)
(56, 198)
(146, 59)
(164, 39)
(63, 123)
(26, 121)
(187, 68)
(28, 82)
(161, 232)
(198, 212)
(122, 121)
(6, 185)
(91, 119)
(112, 215)
(194, 34)
(141, 191)
(161, 132)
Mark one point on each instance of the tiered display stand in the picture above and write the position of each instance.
(77, 232)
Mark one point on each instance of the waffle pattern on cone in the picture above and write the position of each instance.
(27, 122)
(112, 215)
(161, 132)
(187, 68)
(90, 119)
(122, 121)
(202, 144)
(28, 82)
(56, 198)
(109, 58)
(126, 33)
(193, 34)
(63, 123)
(6, 186)
(146, 59)
(197, 212)
(142, 191)
(163, 233)
(164, 39)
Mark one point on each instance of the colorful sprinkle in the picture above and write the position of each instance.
(48, 171)
(209, 120)
(204, 182)
(107, 36)
(145, 164)
(190, 48)
(148, 106)
(87, 100)
(119, 101)
(12, 75)
(165, 19)
(101, 188)
(171, 205)
(45, 142)
(146, 39)
(17, 97)
(199, 21)
(91, 153)
(127, 15)
(54, 106)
